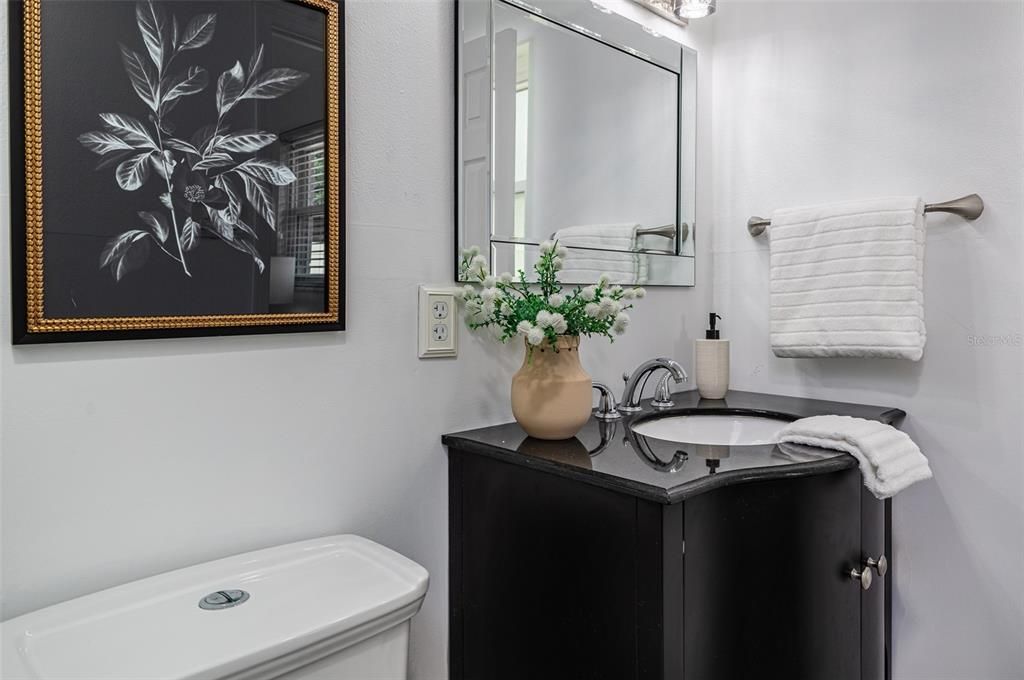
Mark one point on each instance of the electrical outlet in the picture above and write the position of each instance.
(438, 332)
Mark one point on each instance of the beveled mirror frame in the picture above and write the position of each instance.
(643, 44)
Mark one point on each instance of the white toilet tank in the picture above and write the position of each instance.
(334, 608)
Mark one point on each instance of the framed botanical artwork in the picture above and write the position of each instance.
(177, 167)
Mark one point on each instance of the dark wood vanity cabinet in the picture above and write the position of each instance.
(555, 576)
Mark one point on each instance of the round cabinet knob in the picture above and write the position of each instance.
(881, 565)
(864, 576)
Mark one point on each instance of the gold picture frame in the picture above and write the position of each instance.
(32, 324)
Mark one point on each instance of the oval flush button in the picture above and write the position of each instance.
(223, 599)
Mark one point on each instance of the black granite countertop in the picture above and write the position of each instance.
(610, 455)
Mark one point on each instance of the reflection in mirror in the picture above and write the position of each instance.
(576, 125)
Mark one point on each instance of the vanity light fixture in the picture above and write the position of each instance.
(695, 9)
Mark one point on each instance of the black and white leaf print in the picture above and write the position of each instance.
(274, 83)
(157, 223)
(206, 179)
(234, 208)
(221, 226)
(104, 142)
(214, 160)
(243, 227)
(190, 82)
(198, 33)
(189, 235)
(255, 65)
(269, 171)
(247, 246)
(133, 173)
(242, 242)
(246, 142)
(229, 88)
(129, 129)
(259, 195)
(143, 77)
(152, 22)
(133, 258)
(125, 252)
(162, 122)
(112, 160)
(163, 164)
(116, 246)
(181, 145)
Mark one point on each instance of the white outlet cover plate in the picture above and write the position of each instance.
(438, 322)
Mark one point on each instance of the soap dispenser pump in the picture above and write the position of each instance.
(712, 362)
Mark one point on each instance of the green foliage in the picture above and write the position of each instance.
(511, 306)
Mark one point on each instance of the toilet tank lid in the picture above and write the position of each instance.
(337, 588)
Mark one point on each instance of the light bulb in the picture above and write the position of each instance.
(695, 9)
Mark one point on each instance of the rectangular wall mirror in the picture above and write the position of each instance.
(576, 124)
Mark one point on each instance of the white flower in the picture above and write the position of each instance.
(556, 300)
(471, 251)
(592, 310)
(589, 293)
(603, 279)
(609, 307)
(524, 327)
(639, 292)
(505, 309)
(505, 277)
(543, 318)
(620, 323)
(561, 251)
(628, 294)
(614, 290)
(546, 247)
(535, 336)
(488, 294)
(489, 281)
(487, 308)
(557, 264)
(558, 323)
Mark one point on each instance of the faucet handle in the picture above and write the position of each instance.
(606, 406)
(663, 394)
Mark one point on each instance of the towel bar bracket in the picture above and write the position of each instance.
(969, 207)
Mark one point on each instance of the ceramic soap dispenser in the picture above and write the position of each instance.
(712, 362)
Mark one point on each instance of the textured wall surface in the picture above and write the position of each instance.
(123, 460)
(821, 101)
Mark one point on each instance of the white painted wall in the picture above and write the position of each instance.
(819, 101)
(122, 460)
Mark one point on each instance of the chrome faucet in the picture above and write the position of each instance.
(606, 406)
(631, 394)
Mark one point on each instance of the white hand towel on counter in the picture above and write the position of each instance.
(602, 249)
(847, 279)
(889, 460)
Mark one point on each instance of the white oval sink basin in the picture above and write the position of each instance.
(722, 430)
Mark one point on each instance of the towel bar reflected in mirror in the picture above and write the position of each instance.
(968, 207)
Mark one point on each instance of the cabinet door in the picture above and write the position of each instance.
(767, 585)
(874, 635)
(543, 576)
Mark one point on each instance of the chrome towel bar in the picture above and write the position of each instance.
(968, 207)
